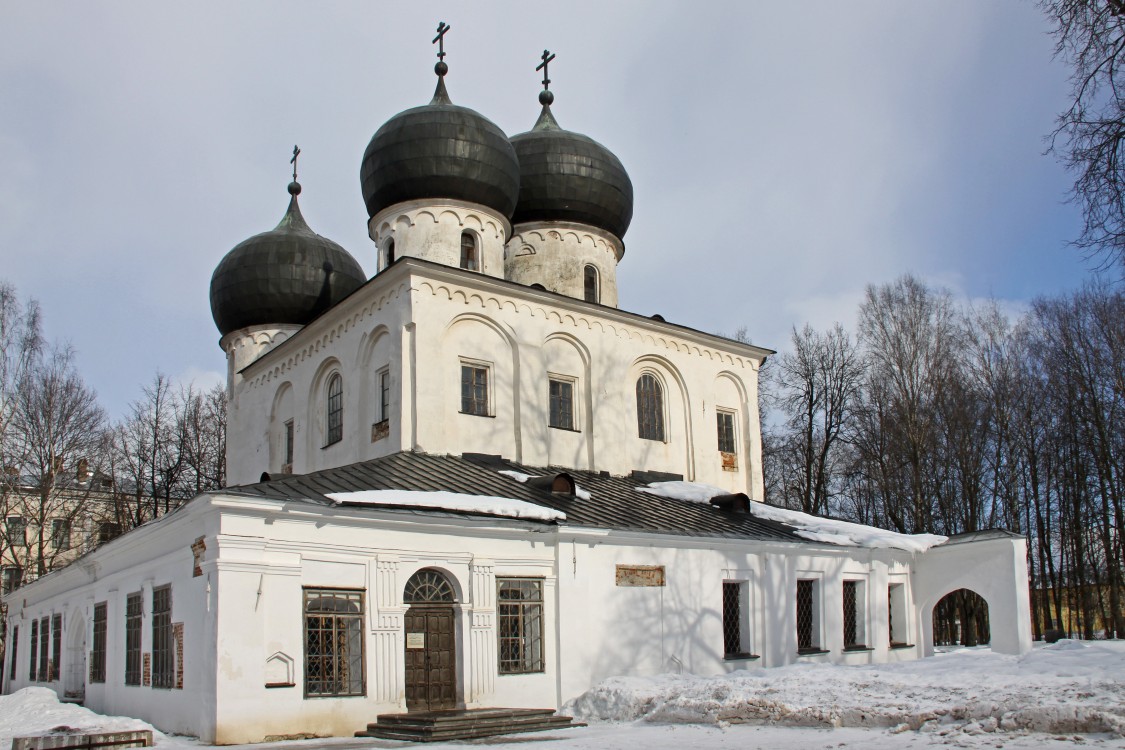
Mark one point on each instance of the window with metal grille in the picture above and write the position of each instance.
(806, 617)
(590, 290)
(60, 534)
(851, 615)
(384, 395)
(56, 648)
(289, 443)
(133, 604)
(333, 642)
(474, 390)
(334, 413)
(732, 619)
(34, 650)
(163, 651)
(650, 408)
(44, 652)
(15, 648)
(428, 586)
(13, 577)
(16, 528)
(725, 421)
(97, 653)
(469, 260)
(520, 625)
(561, 403)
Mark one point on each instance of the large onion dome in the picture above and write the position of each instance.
(440, 151)
(567, 176)
(288, 275)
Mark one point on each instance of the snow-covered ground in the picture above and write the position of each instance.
(1066, 694)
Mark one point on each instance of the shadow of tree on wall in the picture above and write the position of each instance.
(961, 619)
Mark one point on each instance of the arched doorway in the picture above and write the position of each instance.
(74, 685)
(961, 619)
(431, 642)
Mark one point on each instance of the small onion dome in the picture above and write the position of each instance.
(440, 151)
(286, 275)
(567, 176)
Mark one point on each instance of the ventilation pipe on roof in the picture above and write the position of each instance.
(737, 503)
(556, 484)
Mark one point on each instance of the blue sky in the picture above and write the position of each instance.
(783, 155)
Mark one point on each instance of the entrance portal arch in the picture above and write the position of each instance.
(430, 641)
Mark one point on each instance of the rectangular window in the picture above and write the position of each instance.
(474, 390)
(13, 577)
(855, 632)
(289, 444)
(16, 528)
(133, 639)
(163, 655)
(15, 648)
(56, 648)
(97, 653)
(520, 613)
(808, 620)
(34, 650)
(44, 650)
(60, 534)
(561, 402)
(333, 642)
(736, 637)
(108, 530)
(384, 395)
(726, 431)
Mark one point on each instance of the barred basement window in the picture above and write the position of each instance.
(806, 618)
(163, 653)
(97, 653)
(34, 650)
(44, 652)
(650, 408)
(133, 605)
(15, 649)
(560, 395)
(334, 413)
(474, 390)
(333, 642)
(56, 648)
(520, 614)
(732, 619)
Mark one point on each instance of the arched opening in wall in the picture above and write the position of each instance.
(470, 255)
(590, 287)
(387, 256)
(961, 619)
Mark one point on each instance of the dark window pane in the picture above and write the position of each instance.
(805, 616)
(726, 431)
(163, 653)
(133, 639)
(474, 390)
(97, 653)
(650, 408)
(520, 625)
(561, 398)
(333, 642)
(590, 290)
(850, 613)
(732, 618)
(335, 411)
(469, 259)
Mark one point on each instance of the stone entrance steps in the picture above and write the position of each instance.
(433, 726)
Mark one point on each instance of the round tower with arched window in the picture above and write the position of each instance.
(440, 183)
(575, 204)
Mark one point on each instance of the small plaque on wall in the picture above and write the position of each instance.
(415, 640)
(640, 575)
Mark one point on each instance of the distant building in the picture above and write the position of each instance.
(444, 478)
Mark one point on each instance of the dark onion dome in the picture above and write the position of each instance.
(440, 151)
(567, 176)
(286, 275)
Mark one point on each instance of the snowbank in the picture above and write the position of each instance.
(1066, 687)
(492, 506)
(813, 528)
(519, 476)
(37, 710)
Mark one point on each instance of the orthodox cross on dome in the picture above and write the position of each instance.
(293, 161)
(439, 40)
(545, 96)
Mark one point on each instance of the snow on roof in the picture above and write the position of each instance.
(814, 528)
(521, 477)
(492, 506)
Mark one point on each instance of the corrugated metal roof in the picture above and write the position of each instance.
(614, 502)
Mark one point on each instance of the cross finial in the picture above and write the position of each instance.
(439, 40)
(293, 161)
(546, 58)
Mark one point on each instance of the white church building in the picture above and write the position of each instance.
(471, 480)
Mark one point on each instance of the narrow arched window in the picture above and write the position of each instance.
(334, 413)
(469, 259)
(388, 254)
(590, 291)
(650, 408)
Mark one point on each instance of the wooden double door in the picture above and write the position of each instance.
(431, 658)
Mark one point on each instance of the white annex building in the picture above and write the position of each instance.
(471, 480)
